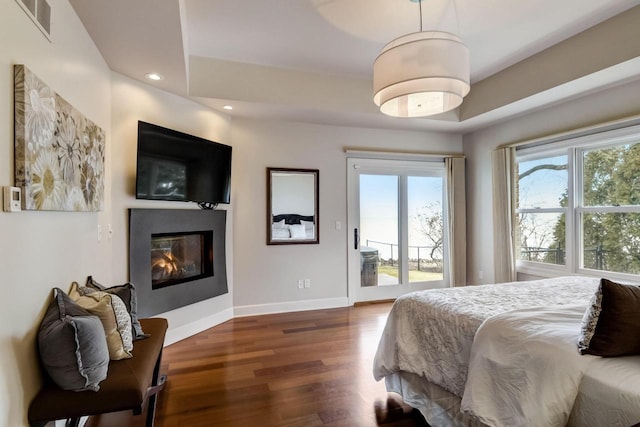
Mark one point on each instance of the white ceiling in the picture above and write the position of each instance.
(193, 43)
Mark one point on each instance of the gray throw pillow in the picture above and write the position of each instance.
(127, 293)
(72, 345)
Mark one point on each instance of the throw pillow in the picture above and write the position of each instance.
(590, 320)
(611, 324)
(113, 315)
(72, 345)
(127, 293)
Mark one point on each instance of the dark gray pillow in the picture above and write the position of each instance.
(127, 293)
(72, 345)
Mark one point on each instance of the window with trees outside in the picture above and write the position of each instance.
(578, 205)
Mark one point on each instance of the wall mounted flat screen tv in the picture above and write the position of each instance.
(172, 165)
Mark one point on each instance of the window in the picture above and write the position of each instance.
(578, 205)
(542, 208)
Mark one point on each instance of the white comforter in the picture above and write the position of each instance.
(430, 333)
(525, 368)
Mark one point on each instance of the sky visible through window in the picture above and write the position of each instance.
(379, 210)
(544, 187)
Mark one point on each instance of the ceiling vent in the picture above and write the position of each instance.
(40, 13)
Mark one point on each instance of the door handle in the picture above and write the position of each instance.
(356, 239)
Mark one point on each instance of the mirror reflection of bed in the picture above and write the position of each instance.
(293, 226)
(292, 206)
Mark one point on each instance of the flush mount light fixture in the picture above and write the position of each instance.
(154, 76)
(421, 74)
(228, 107)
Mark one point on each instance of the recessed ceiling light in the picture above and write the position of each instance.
(154, 76)
(228, 107)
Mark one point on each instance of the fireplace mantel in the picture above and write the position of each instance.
(143, 224)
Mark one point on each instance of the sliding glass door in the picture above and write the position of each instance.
(397, 227)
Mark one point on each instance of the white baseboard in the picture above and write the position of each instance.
(289, 306)
(177, 334)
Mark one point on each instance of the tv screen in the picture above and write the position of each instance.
(176, 166)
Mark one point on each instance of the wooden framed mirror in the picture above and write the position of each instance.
(292, 206)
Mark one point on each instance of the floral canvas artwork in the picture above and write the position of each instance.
(59, 153)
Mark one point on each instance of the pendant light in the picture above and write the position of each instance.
(421, 74)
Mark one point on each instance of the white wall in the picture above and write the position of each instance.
(133, 101)
(40, 250)
(266, 276)
(614, 103)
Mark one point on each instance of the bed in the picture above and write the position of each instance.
(505, 355)
(293, 227)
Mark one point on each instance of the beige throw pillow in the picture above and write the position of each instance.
(114, 317)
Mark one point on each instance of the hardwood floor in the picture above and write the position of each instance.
(309, 368)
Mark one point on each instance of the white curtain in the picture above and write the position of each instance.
(504, 203)
(456, 209)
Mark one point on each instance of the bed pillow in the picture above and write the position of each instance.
(127, 293)
(280, 233)
(297, 231)
(72, 345)
(279, 224)
(114, 317)
(309, 229)
(611, 324)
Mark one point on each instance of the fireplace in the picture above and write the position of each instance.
(180, 257)
(176, 257)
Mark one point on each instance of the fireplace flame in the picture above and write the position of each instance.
(166, 263)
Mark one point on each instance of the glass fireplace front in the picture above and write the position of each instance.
(181, 257)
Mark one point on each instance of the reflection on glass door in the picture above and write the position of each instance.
(398, 228)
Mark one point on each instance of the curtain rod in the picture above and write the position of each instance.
(575, 133)
(406, 154)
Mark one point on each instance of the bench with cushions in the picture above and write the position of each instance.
(96, 359)
(128, 384)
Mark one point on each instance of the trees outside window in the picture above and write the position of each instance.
(610, 212)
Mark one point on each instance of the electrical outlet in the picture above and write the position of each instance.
(99, 233)
(307, 283)
(300, 284)
(480, 274)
